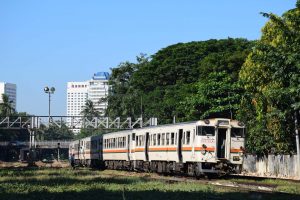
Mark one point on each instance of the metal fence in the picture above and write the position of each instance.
(41, 144)
(279, 166)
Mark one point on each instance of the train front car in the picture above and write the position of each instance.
(221, 145)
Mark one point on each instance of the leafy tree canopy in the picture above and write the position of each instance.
(271, 78)
(165, 84)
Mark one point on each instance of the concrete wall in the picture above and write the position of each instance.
(281, 166)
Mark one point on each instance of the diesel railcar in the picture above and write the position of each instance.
(87, 151)
(195, 148)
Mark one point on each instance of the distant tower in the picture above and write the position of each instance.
(98, 90)
(95, 89)
(10, 90)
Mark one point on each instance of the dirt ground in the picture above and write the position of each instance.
(54, 164)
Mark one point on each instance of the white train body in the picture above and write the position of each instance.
(87, 151)
(204, 146)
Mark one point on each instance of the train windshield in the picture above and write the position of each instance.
(237, 132)
(206, 130)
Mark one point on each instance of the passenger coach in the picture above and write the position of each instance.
(204, 146)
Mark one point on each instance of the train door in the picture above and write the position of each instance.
(180, 135)
(100, 148)
(128, 147)
(221, 147)
(132, 146)
(147, 146)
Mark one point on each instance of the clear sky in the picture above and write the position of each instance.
(51, 42)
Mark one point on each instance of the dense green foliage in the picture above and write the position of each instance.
(179, 81)
(204, 79)
(53, 132)
(6, 108)
(271, 79)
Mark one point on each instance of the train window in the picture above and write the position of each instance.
(140, 140)
(237, 132)
(172, 138)
(183, 138)
(206, 130)
(175, 138)
(133, 136)
(188, 137)
(124, 141)
(167, 138)
(143, 141)
(137, 140)
(163, 139)
(158, 139)
(88, 145)
(151, 140)
(154, 139)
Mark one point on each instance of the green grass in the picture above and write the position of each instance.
(280, 185)
(84, 184)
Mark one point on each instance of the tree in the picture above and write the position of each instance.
(89, 110)
(53, 132)
(218, 95)
(123, 98)
(6, 108)
(159, 86)
(271, 78)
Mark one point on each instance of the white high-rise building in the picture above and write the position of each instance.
(78, 93)
(10, 90)
(98, 91)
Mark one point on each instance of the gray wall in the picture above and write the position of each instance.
(281, 166)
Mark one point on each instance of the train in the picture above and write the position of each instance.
(210, 146)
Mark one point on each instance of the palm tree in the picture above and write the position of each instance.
(89, 110)
(6, 108)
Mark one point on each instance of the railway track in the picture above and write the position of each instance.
(220, 182)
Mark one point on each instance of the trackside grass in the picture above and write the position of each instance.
(84, 184)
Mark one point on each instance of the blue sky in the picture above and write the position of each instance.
(51, 42)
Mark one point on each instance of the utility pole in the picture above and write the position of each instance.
(297, 142)
(49, 91)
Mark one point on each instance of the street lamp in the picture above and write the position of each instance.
(49, 91)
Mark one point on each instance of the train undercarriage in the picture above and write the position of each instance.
(196, 169)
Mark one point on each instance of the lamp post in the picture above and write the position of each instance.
(49, 91)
